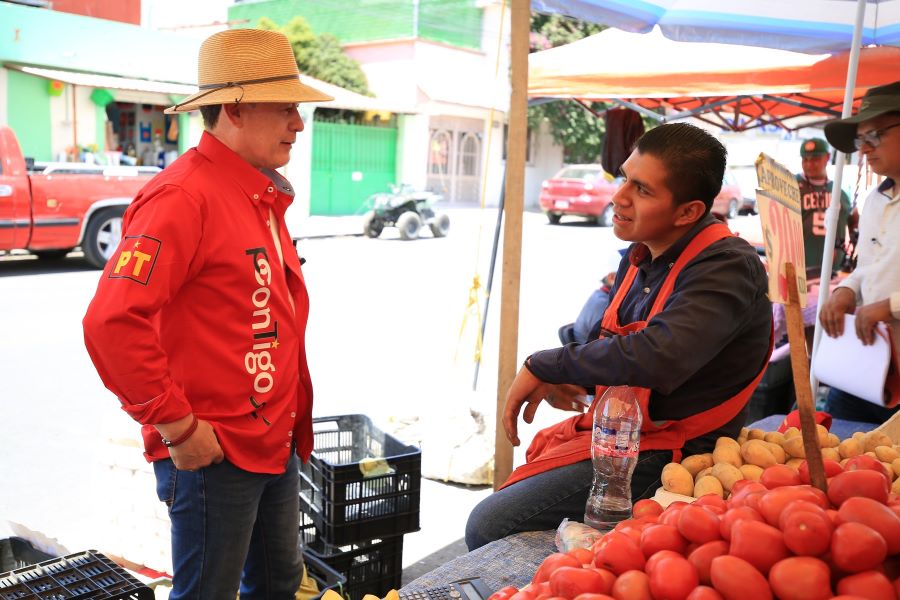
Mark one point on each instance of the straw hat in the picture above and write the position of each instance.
(247, 65)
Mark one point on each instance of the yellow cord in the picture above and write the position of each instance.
(473, 306)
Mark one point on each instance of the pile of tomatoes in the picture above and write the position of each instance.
(774, 538)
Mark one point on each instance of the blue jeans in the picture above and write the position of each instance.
(841, 405)
(541, 502)
(232, 528)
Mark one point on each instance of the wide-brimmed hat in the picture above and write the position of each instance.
(814, 147)
(876, 102)
(247, 65)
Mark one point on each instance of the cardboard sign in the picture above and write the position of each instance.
(778, 202)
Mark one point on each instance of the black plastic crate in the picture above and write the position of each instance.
(348, 507)
(326, 577)
(372, 567)
(16, 552)
(87, 574)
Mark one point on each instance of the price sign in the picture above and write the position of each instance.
(778, 201)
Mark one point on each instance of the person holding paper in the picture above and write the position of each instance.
(872, 291)
(689, 327)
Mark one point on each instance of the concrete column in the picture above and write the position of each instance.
(412, 150)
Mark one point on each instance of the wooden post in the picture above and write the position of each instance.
(508, 363)
(800, 368)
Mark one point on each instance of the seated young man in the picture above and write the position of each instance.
(689, 327)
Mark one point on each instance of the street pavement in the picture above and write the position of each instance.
(385, 339)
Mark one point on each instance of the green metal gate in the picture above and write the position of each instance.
(349, 163)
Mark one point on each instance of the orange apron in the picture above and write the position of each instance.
(569, 441)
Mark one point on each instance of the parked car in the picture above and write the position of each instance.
(582, 191)
(731, 201)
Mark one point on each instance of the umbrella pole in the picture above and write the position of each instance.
(834, 207)
(490, 280)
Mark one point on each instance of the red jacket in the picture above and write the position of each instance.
(569, 441)
(192, 312)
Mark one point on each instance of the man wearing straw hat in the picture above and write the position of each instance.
(198, 327)
(872, 291)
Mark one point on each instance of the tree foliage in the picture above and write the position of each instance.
(575, 129)
(320, 56)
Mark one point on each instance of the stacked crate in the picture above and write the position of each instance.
(359, 493)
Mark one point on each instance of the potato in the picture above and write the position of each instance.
(756, 434)
(728, 443)
(727, 454)
(890, 469)
(886, 454)
(794, 447)
(777, 451)
(756, 452)
(775, 437)
(870, 454)
(745, 432)
(751, 472)
(696, 463)
(875, 439)
(822, 434)
(791, 432)
(895, 487)
(833, 441)
(849, 448)
(795, 463)
(703, 473)
(728, 474)
(741, 440)
(895, 465)
(708, 485)
(677, 479)
(831, 454)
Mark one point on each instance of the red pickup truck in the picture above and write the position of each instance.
(52, 208)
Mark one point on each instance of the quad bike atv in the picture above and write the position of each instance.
(407, 210)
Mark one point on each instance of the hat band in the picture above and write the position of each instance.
(212, 87)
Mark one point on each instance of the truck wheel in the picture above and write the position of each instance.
(372, 225)
(409, 224)
(102, 236)
(51, 254)
(440, 226)
(554, 218)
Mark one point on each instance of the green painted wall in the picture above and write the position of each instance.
(456, 22)
(28, 113)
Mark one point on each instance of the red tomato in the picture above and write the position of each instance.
(673, 579)
(863, 461)
(553, 562)
(877, 516)
(800, 506)
(736, 514)
(608, 576)
(569, 582)
(582, 555)
(759, 544)
(523, 595)
(856, 547)
(647, 507)
(620, 554)
(713, 502)
(593, 597)
(869, 584)
(632, 585)
(801, 578)
(702, 592)
(703, 556)
(858, 482)
(503, 593)
(540, 590)
(832, 468)
(774, 501)
(779, 476)
(698, 524)
(752, 499)
(633, 532)
(661, 537)
(671, 514)
(807, 533)
(653, 560)
(741, 489)
(736, 579)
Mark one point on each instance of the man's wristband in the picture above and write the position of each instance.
(184, 436)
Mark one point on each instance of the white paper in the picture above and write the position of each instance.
(847, 364)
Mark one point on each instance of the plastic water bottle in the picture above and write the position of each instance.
(614, 452)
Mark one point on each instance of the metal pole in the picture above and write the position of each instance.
(490, 280)
(834, 207)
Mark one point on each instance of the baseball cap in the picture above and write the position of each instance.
(876, 102)
(814, 147)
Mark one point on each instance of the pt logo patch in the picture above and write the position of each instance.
(136, 258)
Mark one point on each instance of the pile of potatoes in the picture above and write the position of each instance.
(755, 450)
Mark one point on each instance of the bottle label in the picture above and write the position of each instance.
(610, 441)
